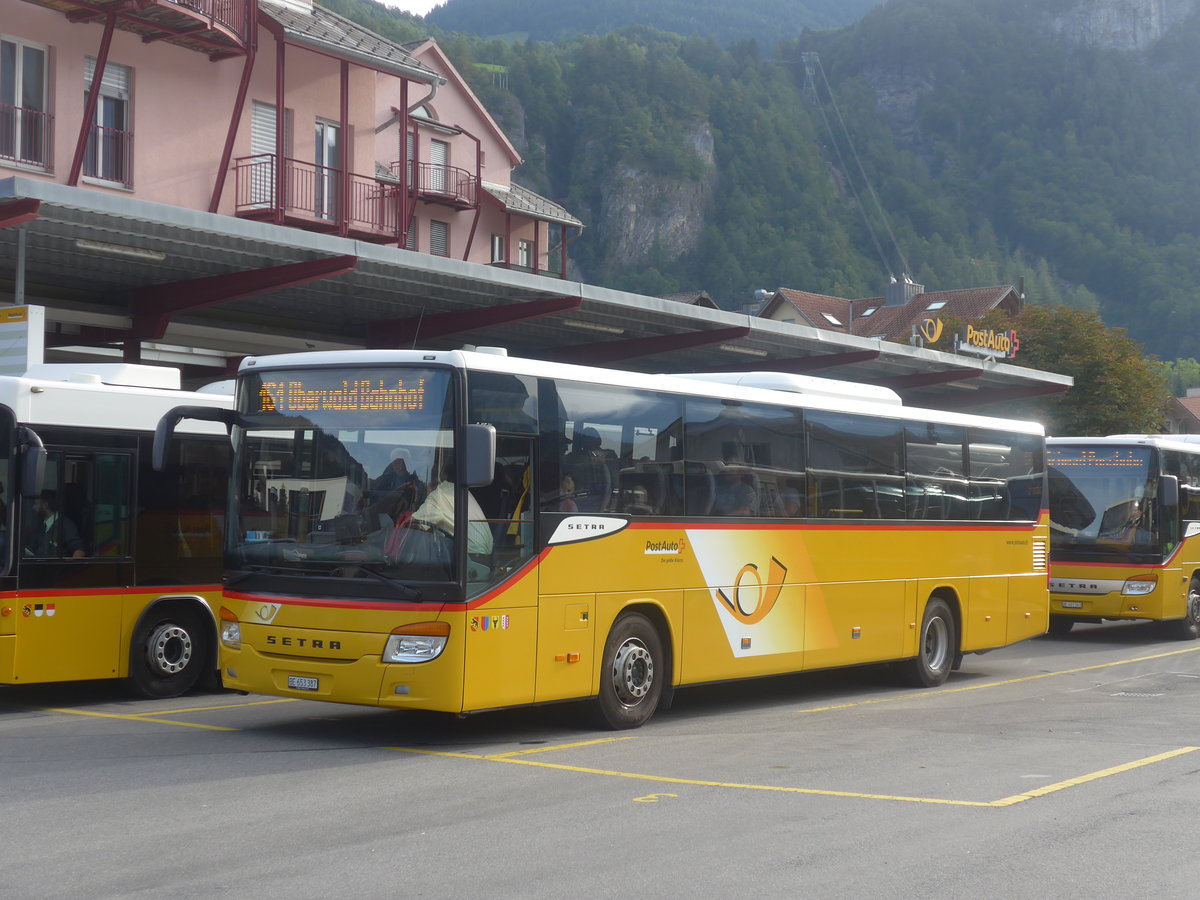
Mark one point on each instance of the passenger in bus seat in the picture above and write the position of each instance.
(53, 535)
(588, 467)
(438, 510)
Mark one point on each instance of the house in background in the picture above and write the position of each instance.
(1183, 415)
(896, 316)
(376, 141)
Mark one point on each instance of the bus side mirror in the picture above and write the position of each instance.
(479, 455)
(1168, 491)
(166, 428)
(33, 462)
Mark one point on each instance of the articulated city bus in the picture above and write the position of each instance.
(107, 567)
(1125, 531)
(461, 531)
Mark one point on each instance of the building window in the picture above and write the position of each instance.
(832, 319)
(498, 248)
(439, 163)
(936, 304)
(525, 254)
(411, 242)
(439, 238)
(26, 126)
(869, 311)
(109, 155)
(327, 171)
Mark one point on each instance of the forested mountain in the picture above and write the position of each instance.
(965, 142)
(766, 21)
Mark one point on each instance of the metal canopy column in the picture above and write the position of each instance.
(400, 332)
(635, 348)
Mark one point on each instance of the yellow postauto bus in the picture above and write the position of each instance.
(1125, 531)
(463, 531)
(108, 567)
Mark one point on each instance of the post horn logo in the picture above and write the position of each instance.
(753, 608)
(931, 330)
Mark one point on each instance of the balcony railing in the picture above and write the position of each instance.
(109, 155)
(443, 184)
(26, 136)
(312, 194)
(233, 14)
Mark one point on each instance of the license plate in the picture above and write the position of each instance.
(302, 683)
(1072, 604)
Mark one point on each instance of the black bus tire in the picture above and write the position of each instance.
(1060, 626)
(631, 673)
(1188, 628)
(937, 647)
(170, 650)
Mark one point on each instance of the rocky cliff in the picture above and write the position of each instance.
(1131, 25)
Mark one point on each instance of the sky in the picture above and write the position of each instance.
(416, 7)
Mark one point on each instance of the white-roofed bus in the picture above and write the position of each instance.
(1125, 531)
(108, 568)
(557, 532)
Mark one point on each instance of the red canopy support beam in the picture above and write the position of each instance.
(973, 399)
(154, 306)
(404, 332)
(801, 364)
(636, 348)
(927, 379)
(17, 212)
(93, 99)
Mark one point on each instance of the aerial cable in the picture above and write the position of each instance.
(867, 181)
(850, 181)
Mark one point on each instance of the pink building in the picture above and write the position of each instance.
(377, 141)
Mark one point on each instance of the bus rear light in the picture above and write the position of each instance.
(1140, 586)
(416, 643)
(231, 629)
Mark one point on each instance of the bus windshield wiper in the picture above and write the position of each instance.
(407, 592)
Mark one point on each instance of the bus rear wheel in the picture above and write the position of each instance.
(168, 654)
(1188, 628)
(631, 674)
(936, 650)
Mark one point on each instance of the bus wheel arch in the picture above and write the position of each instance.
(172, 648)
(937, 642)
(1188, 628)
(635, 668)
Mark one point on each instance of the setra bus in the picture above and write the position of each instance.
(461, 531)
(108, 567)
(1125, 531)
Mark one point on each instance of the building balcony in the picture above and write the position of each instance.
(444, 185)
(109, 156)
(313, 198)
(216, 28)
(26, 137)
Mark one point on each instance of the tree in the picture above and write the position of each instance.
(1118, 389)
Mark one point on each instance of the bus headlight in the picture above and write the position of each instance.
(416, 643)
(231, 629)
(1140, 586)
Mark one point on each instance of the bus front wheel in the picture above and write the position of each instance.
(1188, 628)
(631, 675)
(168, 653)
(937, 647)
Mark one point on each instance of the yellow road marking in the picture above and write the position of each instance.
(666, 779)
(139, 717)
(223, 706)
(554, 747)
(992, 684)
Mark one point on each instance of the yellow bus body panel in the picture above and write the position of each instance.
(731, 601)
(80, 635)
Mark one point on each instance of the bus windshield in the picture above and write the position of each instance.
(346, 475)
(1102, 501)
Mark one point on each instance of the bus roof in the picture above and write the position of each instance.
(113, 396)
(1185, 443)
(835, 396)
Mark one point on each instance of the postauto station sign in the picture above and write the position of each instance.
(987, 342)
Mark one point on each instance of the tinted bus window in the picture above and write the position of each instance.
(743, 459)
(935, 460)
(854, 469)
(619, 451)
(1007, 473)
